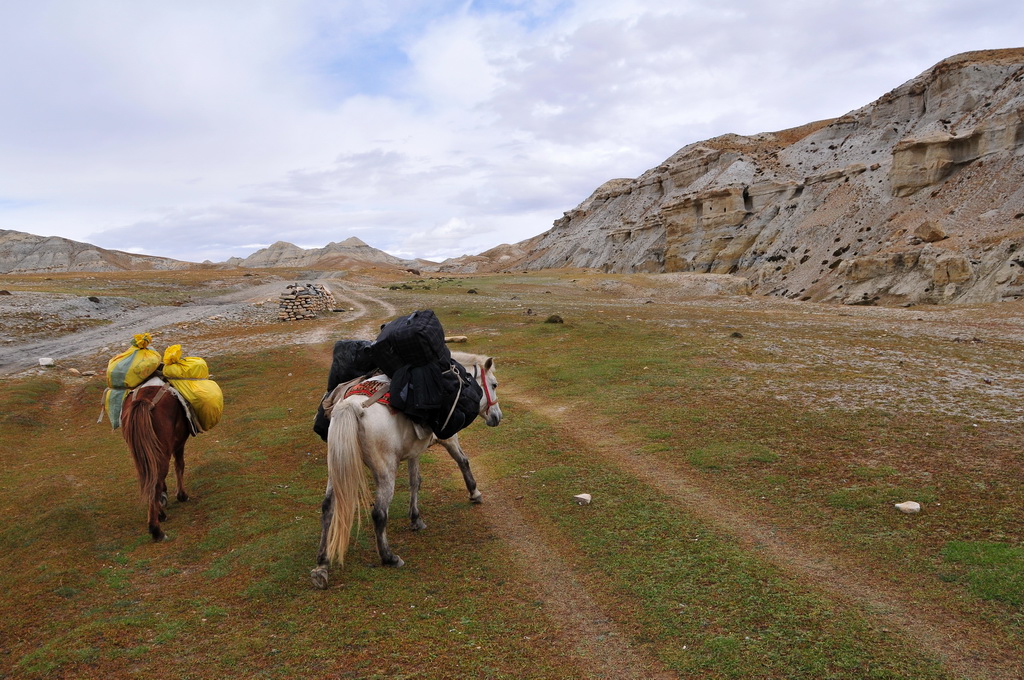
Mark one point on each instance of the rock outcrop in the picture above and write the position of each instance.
(25, 253)
(917, 197)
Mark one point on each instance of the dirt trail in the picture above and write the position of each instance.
(967, 650)
(602, 650)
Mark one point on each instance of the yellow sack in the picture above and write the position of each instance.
(132, 367)
(113, 402)
(191, 377)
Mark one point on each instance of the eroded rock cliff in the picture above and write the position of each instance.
(916, 197)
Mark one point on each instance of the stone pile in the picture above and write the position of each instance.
(303, 301)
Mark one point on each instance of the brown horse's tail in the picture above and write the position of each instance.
(345, 474)
(144, 444)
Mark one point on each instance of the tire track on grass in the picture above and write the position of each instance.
(966, 650)
(602, 650)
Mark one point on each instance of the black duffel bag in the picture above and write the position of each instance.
(442, 397)
(415, 339)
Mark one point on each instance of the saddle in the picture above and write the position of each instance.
(376, 388)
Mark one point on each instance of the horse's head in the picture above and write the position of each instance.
(489, 409)
(482, 369)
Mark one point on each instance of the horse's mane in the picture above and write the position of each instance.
(467, 359)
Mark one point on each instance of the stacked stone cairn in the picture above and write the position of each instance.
(303, 301)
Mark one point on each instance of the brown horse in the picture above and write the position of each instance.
(155, 426)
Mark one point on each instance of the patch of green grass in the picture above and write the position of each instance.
(728, 455)
(30, 391)
(732, 611)
(861, 497)
(865, 472)
(992, 571)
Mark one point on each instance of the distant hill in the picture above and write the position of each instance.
(27, 253)
(332, 256)
(916, 197)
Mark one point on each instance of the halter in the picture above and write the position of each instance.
(487, 393)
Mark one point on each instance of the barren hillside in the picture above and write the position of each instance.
(916, 197)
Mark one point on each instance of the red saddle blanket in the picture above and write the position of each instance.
(369, 388)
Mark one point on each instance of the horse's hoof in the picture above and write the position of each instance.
(319, 578)
(396, 563)
(476, 497)
(163, 501)
(418, 524)
(157, 534)
(163, 516)
(182, 496)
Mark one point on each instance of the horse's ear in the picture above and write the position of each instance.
(488, 364)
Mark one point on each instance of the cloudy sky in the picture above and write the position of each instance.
(205, 129)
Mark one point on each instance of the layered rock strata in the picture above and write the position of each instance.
(915, 198)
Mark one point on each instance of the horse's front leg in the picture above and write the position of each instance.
(385, 492)
(414, 494)
(319, 575)
(455, 451)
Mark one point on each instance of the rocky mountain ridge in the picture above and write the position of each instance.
(916, 197)
(332, 256)
(23, 253)
(27, 253)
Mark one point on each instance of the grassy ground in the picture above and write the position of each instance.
(743, 457)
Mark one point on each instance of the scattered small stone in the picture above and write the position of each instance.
(472, 291)
(46, 361)
(554, 318)
(5, 292)
(736, 334)
(582, 499)
(456, 338)
(908, 507)
(93, 298)
(75, 372)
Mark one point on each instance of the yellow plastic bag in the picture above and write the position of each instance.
(132, 367)
(191, 377)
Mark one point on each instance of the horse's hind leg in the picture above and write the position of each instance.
(179, 471)
(385, 483)
(157, 492)
(319, 575)
(455, 451)
(415, 480)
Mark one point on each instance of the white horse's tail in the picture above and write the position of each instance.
(345, 472)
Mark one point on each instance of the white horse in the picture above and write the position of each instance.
(380, 438)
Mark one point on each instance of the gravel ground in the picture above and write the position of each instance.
(64, 327)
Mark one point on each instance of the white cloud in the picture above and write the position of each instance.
(195, 129)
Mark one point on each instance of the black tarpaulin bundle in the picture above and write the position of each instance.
(427, 385)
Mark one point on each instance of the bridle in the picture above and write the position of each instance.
(487, 392)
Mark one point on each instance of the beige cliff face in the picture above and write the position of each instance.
(917, 197)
